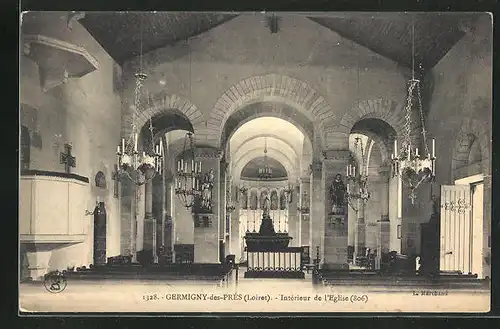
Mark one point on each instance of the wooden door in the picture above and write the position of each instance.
(100, 234)
(455, 229)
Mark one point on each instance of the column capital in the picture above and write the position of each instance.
(337, 155)
(305, 180)
(316, 167)
(208, 152)
(384, 171)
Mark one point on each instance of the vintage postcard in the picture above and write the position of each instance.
(255, 162)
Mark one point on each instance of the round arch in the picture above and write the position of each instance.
(256, 153)
(258, 144)
(275, 88)
(387, 111)
(472, 133)
(161, 104)
(267, 109)
(268, 135)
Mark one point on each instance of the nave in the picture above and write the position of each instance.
(163, 146)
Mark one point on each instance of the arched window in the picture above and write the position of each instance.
(25, 148)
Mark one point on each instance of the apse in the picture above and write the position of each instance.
(251, 169)
(275, 139)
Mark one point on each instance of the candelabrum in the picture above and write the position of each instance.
(265, 173)
(412, 167)
(188, 181)
(357, 188)
(139, 168)
(188, 175)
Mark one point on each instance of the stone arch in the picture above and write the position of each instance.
(472, 134)
(159, 104)
(274, 153)
(386, 110)
(271, 87)
(268, 135)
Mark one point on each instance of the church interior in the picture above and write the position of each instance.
(174, 144)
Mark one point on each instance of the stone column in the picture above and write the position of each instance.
(138, 226)
(360, 237)
(305, 189)
(335, 223)
(395, 212)
(207, 225)
(223, 202)
(149, 220)
(384, 223)
(317, 219)
(234, 231)
(293, 218)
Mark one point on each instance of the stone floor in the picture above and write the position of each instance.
(245, 295)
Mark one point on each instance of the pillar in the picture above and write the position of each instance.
(223, 203)
(234, 231)
(360, 237)
(384, 223)
(149, 221)
(293, 218)
(395, 212)
(335, 224)
(317, 218)
(305, 189)
(207, 232)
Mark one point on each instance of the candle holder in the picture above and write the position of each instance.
(408, 164)
(357, 181)
(188, 175)
(139, 168)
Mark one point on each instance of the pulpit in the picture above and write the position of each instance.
(51, 215)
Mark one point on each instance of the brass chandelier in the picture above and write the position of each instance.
(412, 167)
(188, 176)
(357, 184)
(265, 172)
(139, 167)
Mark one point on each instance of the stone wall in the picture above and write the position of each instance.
(461, 104)
(82, 111)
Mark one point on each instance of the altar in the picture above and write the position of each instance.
(268, 254)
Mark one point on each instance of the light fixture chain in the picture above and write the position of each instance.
(422, 120)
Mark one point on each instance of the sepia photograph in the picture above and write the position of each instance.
(255, 162)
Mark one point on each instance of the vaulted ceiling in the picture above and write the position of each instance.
(389, 34)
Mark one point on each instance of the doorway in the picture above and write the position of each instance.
(476, 186)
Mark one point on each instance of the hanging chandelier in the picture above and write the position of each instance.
(187, 186)
(357, 185)
(412, 167)
(139, 167)
(265, 172)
